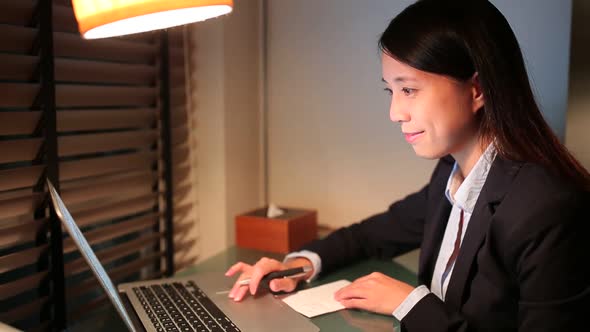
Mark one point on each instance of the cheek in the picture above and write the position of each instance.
(452, 121)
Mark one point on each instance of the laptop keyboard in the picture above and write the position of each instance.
(182, 307)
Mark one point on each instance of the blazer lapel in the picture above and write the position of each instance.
(497, 184)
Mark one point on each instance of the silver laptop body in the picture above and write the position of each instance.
(261, 314)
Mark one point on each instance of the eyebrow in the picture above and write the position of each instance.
(401, 79)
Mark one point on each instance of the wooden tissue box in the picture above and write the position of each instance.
(281, 234)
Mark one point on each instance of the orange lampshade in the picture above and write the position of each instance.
(108, 18)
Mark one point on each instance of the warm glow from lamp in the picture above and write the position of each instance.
(108, 18)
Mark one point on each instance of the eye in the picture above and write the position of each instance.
(408, 91)
(388, 90)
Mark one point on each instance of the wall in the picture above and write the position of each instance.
(331, 144)
(225, 100)
(578, 116)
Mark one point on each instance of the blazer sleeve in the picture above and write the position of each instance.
(549, 255)
(385, 235)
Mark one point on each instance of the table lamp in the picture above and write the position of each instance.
(108, 18)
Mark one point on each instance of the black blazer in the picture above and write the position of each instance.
(524, 264)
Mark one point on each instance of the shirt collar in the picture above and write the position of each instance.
(467, 190)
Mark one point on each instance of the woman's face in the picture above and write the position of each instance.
(436, 113)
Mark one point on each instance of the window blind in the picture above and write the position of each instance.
(106, 120)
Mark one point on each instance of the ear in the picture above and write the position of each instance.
(477, 98)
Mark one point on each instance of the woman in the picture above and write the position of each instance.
(501, 224)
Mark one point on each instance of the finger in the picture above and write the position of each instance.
(236, 287)
(360, 284)
(353, 290)
(240, 266)
(283, 284)
(240, 293)
(355, 303)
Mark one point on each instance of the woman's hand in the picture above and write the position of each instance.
(260, 269)
(375, 292)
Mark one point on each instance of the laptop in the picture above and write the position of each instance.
(194, 303)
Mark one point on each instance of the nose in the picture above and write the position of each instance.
(398, 113)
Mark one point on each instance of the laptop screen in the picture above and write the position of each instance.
(97, 268)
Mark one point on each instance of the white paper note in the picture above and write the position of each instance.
(318, 300)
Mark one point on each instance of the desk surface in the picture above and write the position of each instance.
(344, 320)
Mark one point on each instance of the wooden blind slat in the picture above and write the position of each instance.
(177, 98)
(181, 211)
(21, 285)
(72, 70)
(180, 173)
(92, 143)
(17, 67)
(178, 95)
(20, 12)
(23, 311)
(178, 117)
(24, 193)
(180, 153)
(21, 233)
(177, 77)
(18, 94)
(111, 49)
(186, 218)
(101, 188)
(179, 135)
(102, 300)
(115, 210)
(176, 37)
(119, 272)
(86, 308)
(185, 246)
(22, 258)
(113, 253)
(19, 177)
(19, 150)
(176, 55)
(68, 95)
(149, 37)
(105, 198)
(181, 193)
(64, 19)
(182, 235)
(182, 228)
(18, 123)
(19, 206)
(16, 39)
(105, 165)
(110, 232)
(17, 12)
(72, 120)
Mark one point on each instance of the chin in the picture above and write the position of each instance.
(428, 153)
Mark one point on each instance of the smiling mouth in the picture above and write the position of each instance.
(412, 137)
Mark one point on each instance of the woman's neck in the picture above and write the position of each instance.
(467, 157)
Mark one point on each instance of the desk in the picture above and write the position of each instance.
(344, 320)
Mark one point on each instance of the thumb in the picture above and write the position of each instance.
(283, 284)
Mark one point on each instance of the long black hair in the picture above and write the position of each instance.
(458, 38)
